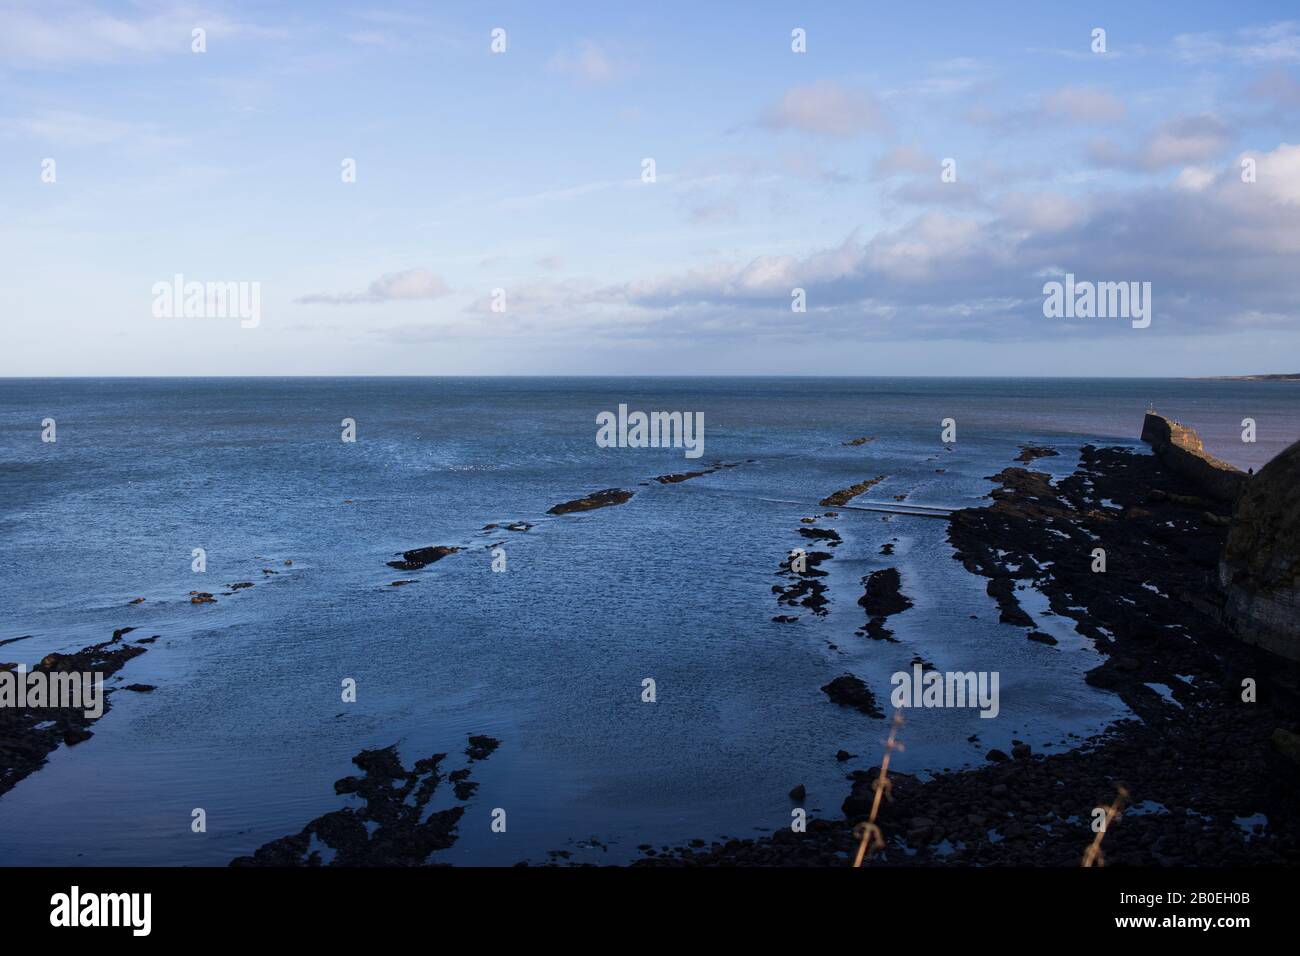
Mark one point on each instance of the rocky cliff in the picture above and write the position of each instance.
(1260, 566)
(1180, 450)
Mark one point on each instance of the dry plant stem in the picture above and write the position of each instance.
(1093, 855)
(872, 838)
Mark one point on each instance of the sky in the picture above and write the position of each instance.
(500, 220)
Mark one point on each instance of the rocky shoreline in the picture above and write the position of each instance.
(1205, 769)
(28, 735)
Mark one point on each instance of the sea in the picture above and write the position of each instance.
(550, 655)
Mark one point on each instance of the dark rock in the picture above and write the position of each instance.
(845, 495)
(683, 476)
(821, 534)
(597, 499)
(481, 746)
(849, 691)
(1030, 452)
(883, 596)
(418, 558)
(390, 828)
(28, 735)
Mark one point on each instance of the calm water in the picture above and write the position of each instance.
(247, 720)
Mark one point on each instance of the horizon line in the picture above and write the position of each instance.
(1251, 376)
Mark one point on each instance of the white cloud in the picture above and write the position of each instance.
(904, 159)
(52, 32)
(1195, 178)
(1219, 257)
(411, 284)
(1084, 105)
(1273, 43)
(1042, 212)
(827, 109)
(1181, 141)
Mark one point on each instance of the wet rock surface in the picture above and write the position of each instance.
(829, 536)
(850, 691)
(1029, 453)
(1155, 603)
(688, 475)
(391, 827)
(418, 558)
(481, 746)
(883, 598)
(512, 526)
(845, 495)
(804, 570)
(806, 590)
(28, 735)
(597, 499)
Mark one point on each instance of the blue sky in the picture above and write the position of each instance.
(522, 171)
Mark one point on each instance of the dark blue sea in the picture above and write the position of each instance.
(247, 720)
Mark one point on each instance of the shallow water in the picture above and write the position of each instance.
(247, 720)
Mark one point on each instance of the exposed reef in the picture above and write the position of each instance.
(850, 691)
(597, 499)
(418, 558)
(688, 475)
(845, 495)
(806, 591)
(882, 598)
(28, 735)
(391, 828)
(1029, 453)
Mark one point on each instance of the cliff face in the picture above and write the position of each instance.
(1180, 450)
(1260, 567)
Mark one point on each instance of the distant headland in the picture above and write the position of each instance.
(1281, 377)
